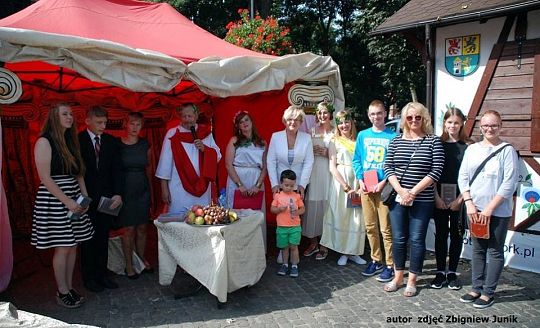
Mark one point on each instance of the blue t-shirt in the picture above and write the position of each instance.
(370, 151)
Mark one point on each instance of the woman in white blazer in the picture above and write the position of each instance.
(290, 149)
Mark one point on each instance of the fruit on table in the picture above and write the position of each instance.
(199, 220)
(210, 215)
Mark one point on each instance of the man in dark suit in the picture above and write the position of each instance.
(103, 177)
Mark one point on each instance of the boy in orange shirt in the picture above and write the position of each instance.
(288, 206)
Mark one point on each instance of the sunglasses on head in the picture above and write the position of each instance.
(411, 118)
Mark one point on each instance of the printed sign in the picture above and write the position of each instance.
(462, 54)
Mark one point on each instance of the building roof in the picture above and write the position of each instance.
(417, 13)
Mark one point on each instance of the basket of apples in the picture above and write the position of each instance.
(212, 214)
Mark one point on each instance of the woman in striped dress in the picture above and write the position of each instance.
(61, 170)
(414, 161)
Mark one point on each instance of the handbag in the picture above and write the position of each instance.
(388, 194)
(480, 231)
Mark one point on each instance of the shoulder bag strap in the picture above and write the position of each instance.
(410, 159)
(479, 169)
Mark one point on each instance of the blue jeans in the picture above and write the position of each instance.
(410, 223)
(485, 276)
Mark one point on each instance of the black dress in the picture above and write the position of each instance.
(136, 190)
(50, 225)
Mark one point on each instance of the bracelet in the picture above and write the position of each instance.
(239, 184)
(259, 185)
(466, 200)
(346, 189)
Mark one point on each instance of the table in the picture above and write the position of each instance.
(221, 258)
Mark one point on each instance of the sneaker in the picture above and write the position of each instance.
(468, 298)
(386, 275)
(482, 304)
(439, 281)
(279, 259)
(453, 281)
(372, 269)
(283, 270)
(357, 259)
(294, 271)
(342, 260)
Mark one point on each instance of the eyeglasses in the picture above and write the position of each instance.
(493, 127)
(411, 118)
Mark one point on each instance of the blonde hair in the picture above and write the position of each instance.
(427, 128)
(345, 115)
(293, 112)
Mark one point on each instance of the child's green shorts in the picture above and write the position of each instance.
(287, 236)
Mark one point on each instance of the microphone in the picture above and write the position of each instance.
(193, 133)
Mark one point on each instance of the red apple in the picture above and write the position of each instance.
(199, 212)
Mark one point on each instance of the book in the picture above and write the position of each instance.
(354, 200)
(448, 192)
(244, 202)
(477, 230)
(104, 206)
(371, 180)
(84, 202)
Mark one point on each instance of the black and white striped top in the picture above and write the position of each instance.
(428, 160)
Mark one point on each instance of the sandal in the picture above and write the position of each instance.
(312, 249)
(391, 287)
(321, 255)
(66, 301)
(410, 291)
(76, 296)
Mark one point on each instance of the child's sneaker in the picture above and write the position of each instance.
(372, 269)
(283, 270)
(294, 271)
(386, 275)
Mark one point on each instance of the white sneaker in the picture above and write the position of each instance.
(279, 259)
(357, 259)
(343, 260)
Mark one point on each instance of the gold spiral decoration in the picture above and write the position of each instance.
(10, 87)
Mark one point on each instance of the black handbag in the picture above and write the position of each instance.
(388, 194)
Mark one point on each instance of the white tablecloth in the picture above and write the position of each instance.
(222, 258)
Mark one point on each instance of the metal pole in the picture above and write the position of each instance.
(429, 69)
(251, 9)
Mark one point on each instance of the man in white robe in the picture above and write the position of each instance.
(173, 190)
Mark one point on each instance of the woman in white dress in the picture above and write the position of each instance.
(343, 229)
(316, 195)
(245, 159)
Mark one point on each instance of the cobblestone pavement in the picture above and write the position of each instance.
(325, 295)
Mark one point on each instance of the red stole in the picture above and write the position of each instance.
(192, 183)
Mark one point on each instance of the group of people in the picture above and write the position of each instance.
(316, 179)
(336, 165)
(97, 165)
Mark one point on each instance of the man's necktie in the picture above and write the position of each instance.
(97, 148)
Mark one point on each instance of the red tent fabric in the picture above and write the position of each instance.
(138, 24)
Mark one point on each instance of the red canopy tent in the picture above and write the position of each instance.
(131, 55)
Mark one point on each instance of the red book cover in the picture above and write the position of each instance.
(480, 231)
(243, 202)
(371, 180)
